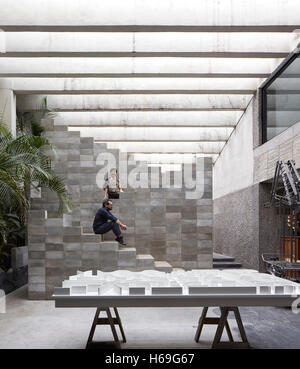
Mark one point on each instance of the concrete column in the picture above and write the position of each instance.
(8, 105)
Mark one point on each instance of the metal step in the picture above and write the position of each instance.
(220, 257)
(226, 264)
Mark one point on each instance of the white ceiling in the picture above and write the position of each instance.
(166, 76)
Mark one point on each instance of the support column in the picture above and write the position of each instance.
(8, 105)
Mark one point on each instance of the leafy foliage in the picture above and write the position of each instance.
(24, 163)
(30, 121)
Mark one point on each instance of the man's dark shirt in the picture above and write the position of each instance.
(103, 216)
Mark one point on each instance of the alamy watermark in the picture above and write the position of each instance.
(296, 304)
(186, 174)
(297, 36)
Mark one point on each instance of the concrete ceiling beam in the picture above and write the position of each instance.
(83, 67)
(157, 118)
(150, 12)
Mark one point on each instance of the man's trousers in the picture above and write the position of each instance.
(106, 227)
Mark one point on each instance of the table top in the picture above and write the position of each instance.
(150, 288)
(172, 301)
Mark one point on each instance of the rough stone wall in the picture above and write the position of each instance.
(166, 223)
(236, 226)
(244, 228)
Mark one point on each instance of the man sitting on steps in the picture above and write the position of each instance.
(105, 221)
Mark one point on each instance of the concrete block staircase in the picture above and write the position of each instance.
(113, 256)
(224, 262)
(69, 238)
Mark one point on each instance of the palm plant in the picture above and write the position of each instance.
(30, 121)
(12, 233)
(24, 163)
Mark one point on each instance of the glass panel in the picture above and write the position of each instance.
(283, 100)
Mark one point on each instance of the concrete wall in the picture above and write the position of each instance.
(243, 227)
(236, 207)
(236, 159)
(8, 105)
(171, 224)
(236, 199)
(236, 226)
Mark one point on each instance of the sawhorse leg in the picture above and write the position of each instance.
(217, 340)
(112, 321)
(221, 323)
(204, 319)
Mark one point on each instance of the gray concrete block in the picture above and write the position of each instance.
(76, 231)
(91, 255)
(36, 287)
(54, 254)
(127, 257)
(54, 238)
(204, 236)
(55, 231)
(144, 260)
(173, 237)
(108, 246)
(38, 279)
(74, 254)
(108, 258)
(72, 246)
(205, 257)
(55, 263)
(204, 265)
(90, 247)
(163, 266)
(37, 247)
(204, 244)
(36, 238)
(54, 247)
(19, 257)
(190, 265)
(37, 214)
(36, 254)
(173, 244)
(73, 263)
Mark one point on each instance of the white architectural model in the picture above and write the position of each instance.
(194, 282)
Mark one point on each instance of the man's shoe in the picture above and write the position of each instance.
(121, 241)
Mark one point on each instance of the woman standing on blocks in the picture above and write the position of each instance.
(112, 186)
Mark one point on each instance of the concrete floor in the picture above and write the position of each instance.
(37, 324)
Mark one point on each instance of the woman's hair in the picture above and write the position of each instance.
(106, 178)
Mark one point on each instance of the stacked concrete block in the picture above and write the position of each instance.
(167, 227)
(144, 261)
(37, 253)
(19, 257)
(127, 257)
(111, 257)
(163, 266)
